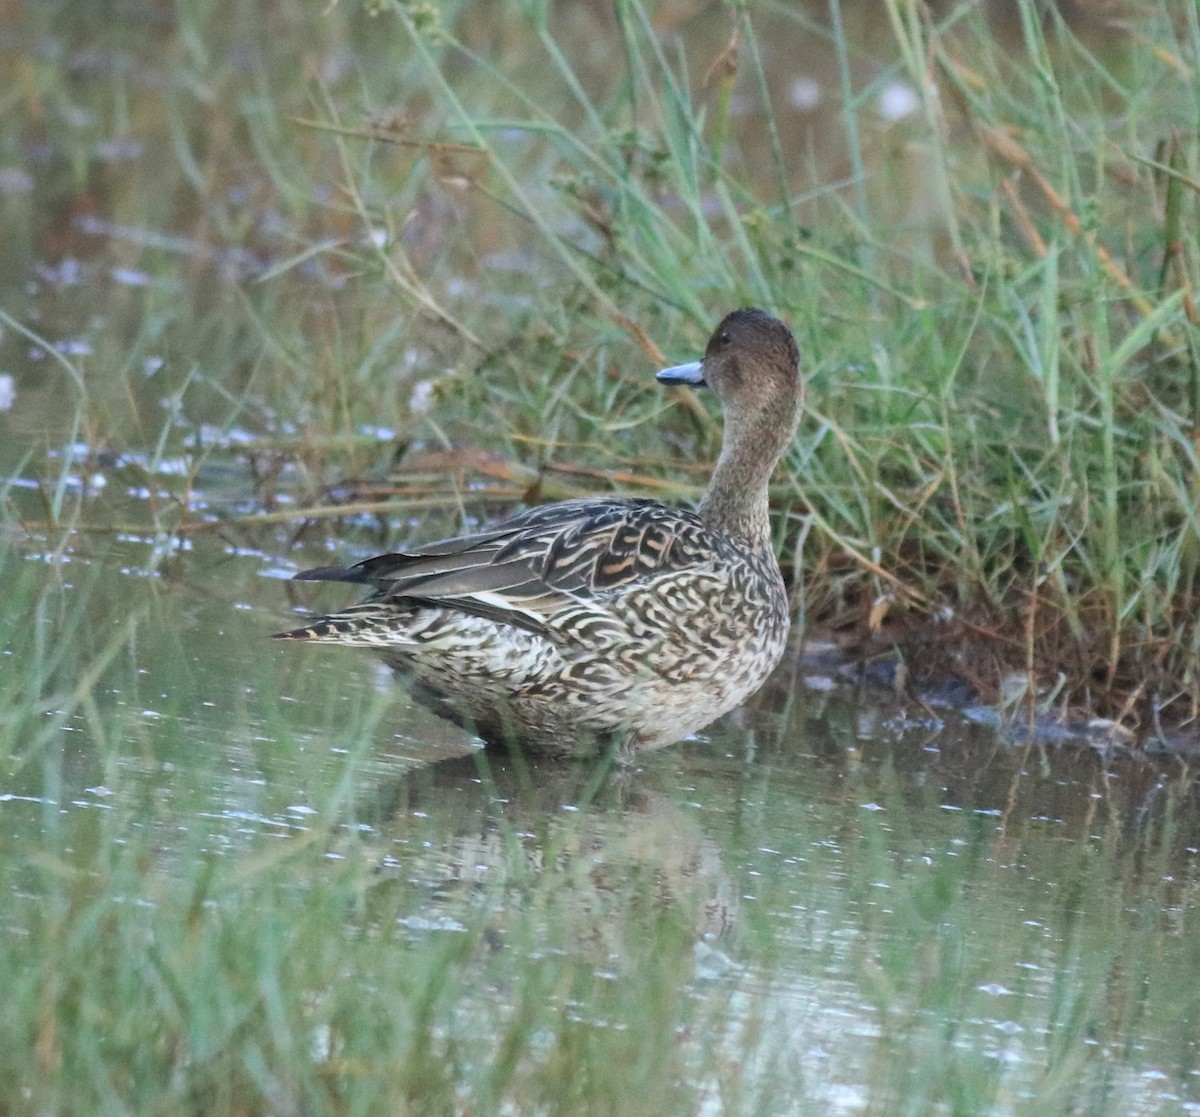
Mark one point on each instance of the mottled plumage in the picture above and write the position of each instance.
(590, 623)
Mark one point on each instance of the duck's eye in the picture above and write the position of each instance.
(725, 338)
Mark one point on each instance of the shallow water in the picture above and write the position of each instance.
(877, 910)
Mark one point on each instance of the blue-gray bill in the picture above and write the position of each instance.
(691, 374)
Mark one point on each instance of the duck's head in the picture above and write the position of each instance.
(752, 362)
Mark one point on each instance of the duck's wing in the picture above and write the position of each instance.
(528, 568)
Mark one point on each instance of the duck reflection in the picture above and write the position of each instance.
(593, 849)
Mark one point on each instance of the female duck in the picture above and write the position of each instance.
(595, 623)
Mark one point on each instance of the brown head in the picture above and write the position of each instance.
(752, 363)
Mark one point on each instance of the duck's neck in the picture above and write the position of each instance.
(736, 500)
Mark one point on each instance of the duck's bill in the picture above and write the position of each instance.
(691, 374)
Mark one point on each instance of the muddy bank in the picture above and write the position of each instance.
(973, 669)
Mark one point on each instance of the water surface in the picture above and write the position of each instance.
(862, 909)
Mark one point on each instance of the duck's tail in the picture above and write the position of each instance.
(365, 626)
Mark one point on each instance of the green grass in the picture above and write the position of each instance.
(993, 294)
(995, 313)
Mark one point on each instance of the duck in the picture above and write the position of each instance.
(604, 625)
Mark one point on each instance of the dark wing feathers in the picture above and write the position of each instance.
(433, 558)
(524, 568)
